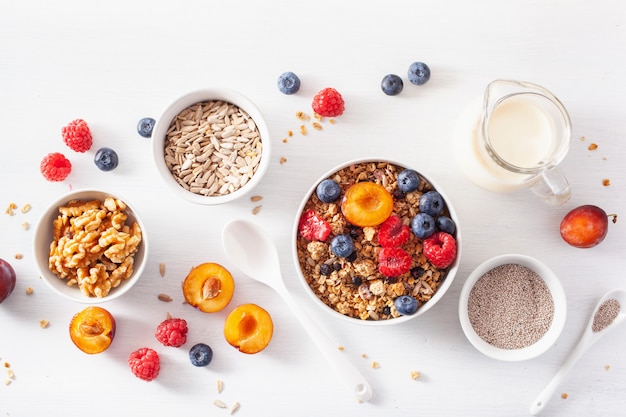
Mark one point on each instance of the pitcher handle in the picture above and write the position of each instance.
(552, 187)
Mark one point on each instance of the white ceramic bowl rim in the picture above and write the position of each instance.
(189, 99)
(43, 237)
(558, 321)
(443, 288)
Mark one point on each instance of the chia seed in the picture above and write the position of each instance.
(605, 315)
(510, 307)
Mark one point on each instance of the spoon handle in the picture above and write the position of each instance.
(544, 397)
(345, 370)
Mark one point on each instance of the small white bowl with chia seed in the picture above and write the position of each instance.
(211, 146)
(512, 307)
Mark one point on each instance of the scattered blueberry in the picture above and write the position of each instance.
(408, 180)
(419, 73)
(392, 85)
(405, 305)
(145, 126)
(288, 83)
(445, 224)
(106, 159)
(328, 191)
(423, 225)
(431, 203)
(200, 354)
(342, 245)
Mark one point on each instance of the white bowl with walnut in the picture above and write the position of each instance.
(90, 246)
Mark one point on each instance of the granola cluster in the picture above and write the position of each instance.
(355, 287)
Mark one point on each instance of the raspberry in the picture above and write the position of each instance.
(313, 227)
(393, 262)
(440, 249)
(145, 364)
(328, 103)
(55, 167)
(172, 332)
(77, 135)
(392, 232)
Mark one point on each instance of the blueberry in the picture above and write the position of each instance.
(423, 225)
(328, 191)
(445, 224)
(145, 126)
(392, 85)
(408, 180)
(431, 203)
(342, 245)
(200, 354)
(419, 73)
(106, 159)
(325, 269)
(405, 305)
(288, 83)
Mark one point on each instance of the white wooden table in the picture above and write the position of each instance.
(113, 63)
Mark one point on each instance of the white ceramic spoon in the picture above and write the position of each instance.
(250, 249)
(588, 338)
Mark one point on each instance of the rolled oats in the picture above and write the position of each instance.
(357, 289)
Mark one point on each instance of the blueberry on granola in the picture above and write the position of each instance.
(423, 225)
(405, 305)
(408, 180)
(431, 203)
(342, 245)
(445, 224)
(328, 191)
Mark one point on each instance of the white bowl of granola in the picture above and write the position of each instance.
(376, 242)
(211, 146)
(90, 246)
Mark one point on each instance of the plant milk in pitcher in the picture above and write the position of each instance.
(512, 141)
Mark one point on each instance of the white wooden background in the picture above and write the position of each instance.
(114, 62)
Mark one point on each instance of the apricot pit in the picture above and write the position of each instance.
(209, 287)
(92, 330)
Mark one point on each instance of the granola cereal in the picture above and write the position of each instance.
(93, 247)
(356, 287)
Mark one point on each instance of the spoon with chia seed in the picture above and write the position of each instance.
(607, 314)
(251, 250)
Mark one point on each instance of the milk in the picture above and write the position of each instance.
(521, 133)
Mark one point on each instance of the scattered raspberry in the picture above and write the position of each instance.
(440, 249)
(145, 364)
(392, 232)
(312, 227)
(77, 135)
(328, 103)
(393, 262)
(172, 332)
(55, 167)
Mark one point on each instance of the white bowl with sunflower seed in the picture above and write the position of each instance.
(376, 242)
(90, 246)
(211, 146)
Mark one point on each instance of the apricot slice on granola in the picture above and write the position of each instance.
(92, 330)
(366, 204)
(209, 287)
(249, 328)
